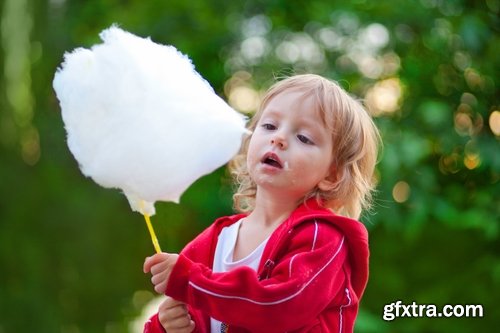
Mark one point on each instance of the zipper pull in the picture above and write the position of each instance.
(268, 266)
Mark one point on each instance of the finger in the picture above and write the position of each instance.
(187, 329)
(158, 278)
(175, 312)
(153, 260)
(183, 322)
(191, 327)
(161, 288)
(170, 305)
(169, 302)
(159, 267)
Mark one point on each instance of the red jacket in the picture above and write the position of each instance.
(312, 274)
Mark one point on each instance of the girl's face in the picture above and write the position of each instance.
(290, 151)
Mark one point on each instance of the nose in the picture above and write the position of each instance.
(279, 141)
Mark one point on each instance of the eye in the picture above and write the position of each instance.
(269, 127)
(304, 139)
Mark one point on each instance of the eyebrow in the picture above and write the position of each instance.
(307, 122)
(267, 111)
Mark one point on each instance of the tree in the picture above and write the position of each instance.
(427, 70)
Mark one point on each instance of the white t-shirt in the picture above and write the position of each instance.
(223, 260)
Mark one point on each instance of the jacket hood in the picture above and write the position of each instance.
(354, 231)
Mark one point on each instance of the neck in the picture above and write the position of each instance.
(270, 209)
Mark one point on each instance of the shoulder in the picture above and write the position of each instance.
(323, 228)
(201, 248)
(312, 215)
(215, 228)
(317, 232)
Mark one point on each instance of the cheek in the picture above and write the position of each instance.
(250, 162)
(251, 153)
(313, 166)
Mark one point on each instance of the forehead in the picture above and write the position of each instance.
(298, 103)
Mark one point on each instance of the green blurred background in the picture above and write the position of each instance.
(71, 252)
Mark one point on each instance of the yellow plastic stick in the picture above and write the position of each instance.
(152, 233)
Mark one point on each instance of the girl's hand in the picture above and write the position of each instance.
(174, 316)
(160, 265)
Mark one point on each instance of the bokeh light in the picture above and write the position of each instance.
(384, 97)
(494, 122)
(401, 192)
(241, 95)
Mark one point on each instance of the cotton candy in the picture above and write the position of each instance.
(139, 118)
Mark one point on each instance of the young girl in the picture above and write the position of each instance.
(295, 259)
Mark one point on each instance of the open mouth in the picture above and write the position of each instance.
(272, 160)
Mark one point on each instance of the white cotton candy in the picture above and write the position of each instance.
(141, 119)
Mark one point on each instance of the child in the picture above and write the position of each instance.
(295, 259)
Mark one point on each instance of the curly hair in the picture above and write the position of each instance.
(355, 141)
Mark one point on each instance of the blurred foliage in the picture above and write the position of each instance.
(71, 252)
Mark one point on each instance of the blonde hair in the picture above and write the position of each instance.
(355, 141)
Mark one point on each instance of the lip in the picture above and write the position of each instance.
(272, 160)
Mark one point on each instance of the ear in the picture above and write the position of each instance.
(327, 184)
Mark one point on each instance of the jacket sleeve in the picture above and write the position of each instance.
(197, 250)
(304, 281)
(153, 325)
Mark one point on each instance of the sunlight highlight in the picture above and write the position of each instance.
(384, 97)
